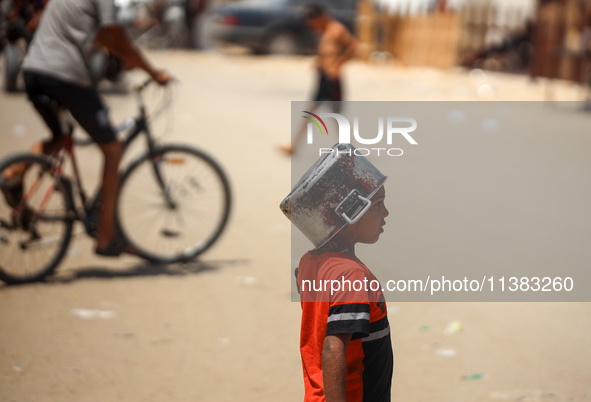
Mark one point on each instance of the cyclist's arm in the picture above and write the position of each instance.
(115, 40)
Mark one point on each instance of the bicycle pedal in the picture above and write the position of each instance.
(12, 191)
(6, 225)
(170, 233)
(34, 237)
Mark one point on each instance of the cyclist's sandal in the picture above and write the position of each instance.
(116, 248)
(12, 189)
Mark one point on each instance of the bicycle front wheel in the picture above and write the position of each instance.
(36, 219)
(173, 204)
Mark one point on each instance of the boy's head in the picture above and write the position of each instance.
(315, 16)
(367, 229)
(339, 200)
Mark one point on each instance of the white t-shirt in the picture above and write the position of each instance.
(65, 37)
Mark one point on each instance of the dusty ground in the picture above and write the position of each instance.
(224, 328)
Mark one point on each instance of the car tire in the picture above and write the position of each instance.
(282, 43)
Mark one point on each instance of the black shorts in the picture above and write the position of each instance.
(83, 103)
(328, 90)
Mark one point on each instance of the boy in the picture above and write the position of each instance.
(345, 335)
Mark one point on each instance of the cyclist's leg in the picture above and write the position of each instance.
(37, 92)
(11, 184)
(87, 108)
(106, 232)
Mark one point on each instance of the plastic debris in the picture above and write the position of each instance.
(247, 280)
(17, 369)
(474, 377)
(223, 341)
(125, 335)
(447, 352)
(49, 240)
(392, 310)
(88, 314)
(73, 252)
(425, 328)
(19, 130)
(453, 328)
(525, 395)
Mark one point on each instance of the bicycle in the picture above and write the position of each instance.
(173, 204)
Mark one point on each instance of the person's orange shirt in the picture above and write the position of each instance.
(358, 308)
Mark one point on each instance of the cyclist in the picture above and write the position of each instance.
(55, 73)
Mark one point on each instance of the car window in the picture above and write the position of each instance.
(349, 5)
(341, 5)
(265, 2)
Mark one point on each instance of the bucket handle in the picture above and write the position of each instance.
(346, 204)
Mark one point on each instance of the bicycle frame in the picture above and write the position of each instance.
(138, 125)
(174, 173)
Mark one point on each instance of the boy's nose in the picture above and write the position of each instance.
(385, 212)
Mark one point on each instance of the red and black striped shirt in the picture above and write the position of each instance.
(357, 308)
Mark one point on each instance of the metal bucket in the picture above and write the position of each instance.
(334, 192)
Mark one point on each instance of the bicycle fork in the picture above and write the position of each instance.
(156, 160)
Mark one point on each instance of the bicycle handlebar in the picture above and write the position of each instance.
(144, 84)
(149, 80)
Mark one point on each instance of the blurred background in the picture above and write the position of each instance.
(224, 328)
(539, 38)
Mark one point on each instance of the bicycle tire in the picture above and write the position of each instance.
(30, 251)
(203, 189)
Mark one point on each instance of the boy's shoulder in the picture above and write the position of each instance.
(330, 264)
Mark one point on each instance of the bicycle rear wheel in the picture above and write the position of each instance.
(35, 221)
(173, 204)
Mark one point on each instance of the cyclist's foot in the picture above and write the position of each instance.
(115, 248)
(286, 149)
(11, 186)
(14, 172)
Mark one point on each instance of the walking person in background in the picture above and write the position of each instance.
(335, 48)
(22, 18)
(55, 73)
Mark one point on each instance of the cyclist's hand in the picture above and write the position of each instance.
(162, 77)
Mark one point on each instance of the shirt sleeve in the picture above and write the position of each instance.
(349, 308)
(350, 318)
(107, 12)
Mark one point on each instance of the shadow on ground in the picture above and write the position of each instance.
(138, 270)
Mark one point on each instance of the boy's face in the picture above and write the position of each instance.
(370, 226)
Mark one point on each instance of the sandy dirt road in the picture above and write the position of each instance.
(223, 328)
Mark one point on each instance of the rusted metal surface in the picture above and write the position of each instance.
(311, 205)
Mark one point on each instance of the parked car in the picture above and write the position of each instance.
(274, 26)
